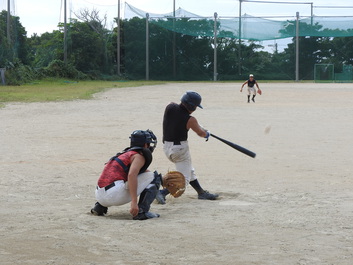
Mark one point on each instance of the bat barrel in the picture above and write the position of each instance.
(235, 146)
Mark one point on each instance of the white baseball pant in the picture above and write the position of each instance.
(180, 156)
(119, 194)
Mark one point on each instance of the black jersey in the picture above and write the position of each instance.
(251, 83)
(175, 119)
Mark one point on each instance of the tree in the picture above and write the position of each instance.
(46, 48)
(98, 25)
(16, 48)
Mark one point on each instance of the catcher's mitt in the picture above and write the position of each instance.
(174, 182)
(259, 91)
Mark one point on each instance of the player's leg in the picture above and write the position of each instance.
(253, 90)
(185, 167)
(105, 197)
(202, 194)
(180, 156)
(147, 196)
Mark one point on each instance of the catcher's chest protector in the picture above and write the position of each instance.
(145, 152)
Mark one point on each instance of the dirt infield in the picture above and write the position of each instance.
(293, 204)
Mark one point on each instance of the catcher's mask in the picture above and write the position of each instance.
(191, 100)
(140, 138)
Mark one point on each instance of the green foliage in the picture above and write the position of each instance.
(18, 73)
(180, 49)
(46, 48)
(57, 68)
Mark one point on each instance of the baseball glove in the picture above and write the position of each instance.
(174, 182)
(259, 91)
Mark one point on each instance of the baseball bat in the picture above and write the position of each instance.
(235, 146)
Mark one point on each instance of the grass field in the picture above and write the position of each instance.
(64, 90)
(61, 90)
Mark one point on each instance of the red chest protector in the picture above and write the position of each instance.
(126, 164)
(117, 168)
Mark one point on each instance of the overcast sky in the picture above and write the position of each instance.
(39, 16)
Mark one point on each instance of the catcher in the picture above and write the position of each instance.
(251, 89)
(125, 177)
(177, 121)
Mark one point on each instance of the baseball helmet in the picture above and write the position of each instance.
(139, 138)
(191, 100)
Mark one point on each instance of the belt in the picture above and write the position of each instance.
(111, 185)
(174, 142)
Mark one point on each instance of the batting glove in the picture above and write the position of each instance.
(207, 135)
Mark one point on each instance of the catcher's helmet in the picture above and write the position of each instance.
(191, 100)
(139, 138)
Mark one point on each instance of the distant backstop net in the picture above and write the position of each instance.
(346, 76)
(184, 46)
(324, 73)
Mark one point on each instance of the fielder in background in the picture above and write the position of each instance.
(125, 177)
(176, 124)
(251, 82)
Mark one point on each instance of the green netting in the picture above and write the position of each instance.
(346, 75)
(180, 46)
(254, 28)
(247, 27)
(324, 72)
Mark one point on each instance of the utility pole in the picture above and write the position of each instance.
(65, 34)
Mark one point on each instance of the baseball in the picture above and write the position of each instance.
(267, 129)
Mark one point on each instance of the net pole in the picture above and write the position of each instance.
(174, 43)
(65, 34)
(8, 22)
(147, 49)
(215, 48)
(297, 49)
(239, 48)
(118, 41)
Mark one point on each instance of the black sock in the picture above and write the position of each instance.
(196, 185)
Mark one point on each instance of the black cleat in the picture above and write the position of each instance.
(145, 216)
(207, 196)
(99, 209)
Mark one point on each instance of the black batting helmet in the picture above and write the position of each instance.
(191, 100)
